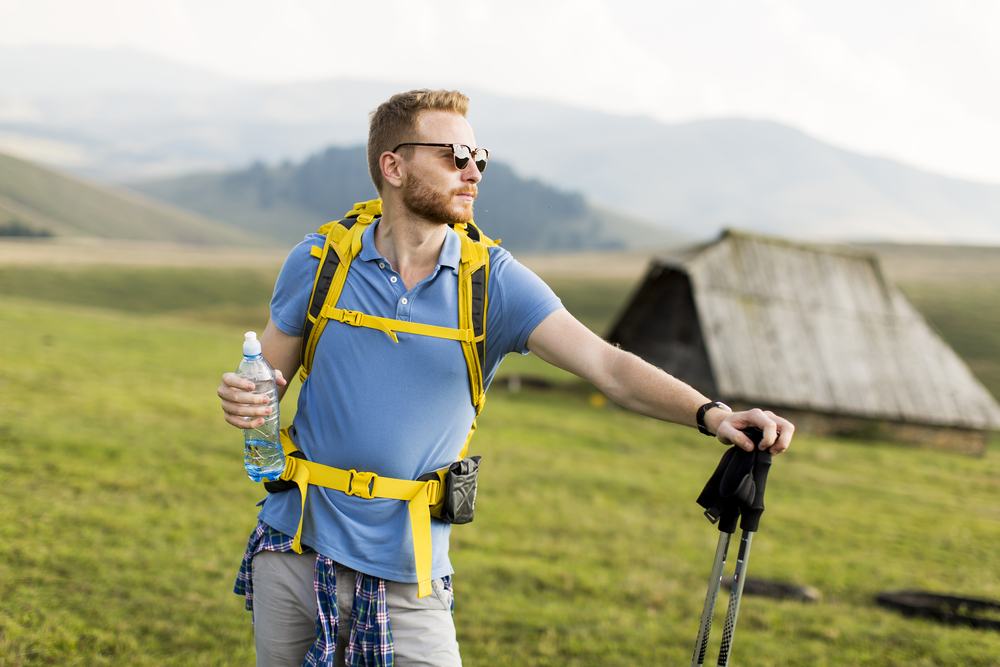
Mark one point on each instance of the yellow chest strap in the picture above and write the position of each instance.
(390, 327)
(340, 248)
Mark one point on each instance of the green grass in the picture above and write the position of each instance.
(587, 548)
(968, 317)
(596, 303)
(612, 558)
(122, 493)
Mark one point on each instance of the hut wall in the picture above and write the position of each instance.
(821, 331)
(661, 326)
(821, 334)
(945, 438)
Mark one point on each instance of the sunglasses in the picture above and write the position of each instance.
(461, 153)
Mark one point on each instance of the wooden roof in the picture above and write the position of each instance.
(801, 327)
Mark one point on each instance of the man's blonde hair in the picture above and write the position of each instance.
(394, 122)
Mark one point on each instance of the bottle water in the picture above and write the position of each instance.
(263, 456)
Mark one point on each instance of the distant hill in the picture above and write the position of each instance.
(35, 201)
(290, 200)
(756, 175)
(694, 178)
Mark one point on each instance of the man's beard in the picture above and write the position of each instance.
(434, 205)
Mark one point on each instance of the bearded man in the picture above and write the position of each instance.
(400, 408)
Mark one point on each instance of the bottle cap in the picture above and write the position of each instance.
(251, 346)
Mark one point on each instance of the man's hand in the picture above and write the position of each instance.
(778, 431)
(282, 351)
(238, 402)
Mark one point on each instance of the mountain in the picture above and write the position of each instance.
(289, 200)
(36, 201)
(694, 177)
(755, 175)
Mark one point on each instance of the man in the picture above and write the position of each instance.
(401, 409)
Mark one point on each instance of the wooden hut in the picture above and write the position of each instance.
(817, 334)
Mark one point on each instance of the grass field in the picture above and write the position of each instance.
(125, 509)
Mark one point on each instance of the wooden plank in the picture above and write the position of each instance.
(824, 331)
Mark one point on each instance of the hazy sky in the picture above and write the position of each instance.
(915, 80)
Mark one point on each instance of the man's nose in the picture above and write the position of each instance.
(471, 173)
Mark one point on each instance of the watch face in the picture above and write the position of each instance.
(705, 408)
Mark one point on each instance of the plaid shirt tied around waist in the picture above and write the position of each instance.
(370, 643)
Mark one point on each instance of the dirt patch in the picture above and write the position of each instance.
(82, 252)
(629, 265)
(938, 264)
(903, 263)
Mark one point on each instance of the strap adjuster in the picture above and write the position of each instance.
(352, 317)
(361, 484)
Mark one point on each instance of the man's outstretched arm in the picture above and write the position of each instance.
(641, 387)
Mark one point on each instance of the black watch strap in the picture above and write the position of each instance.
(701, 415)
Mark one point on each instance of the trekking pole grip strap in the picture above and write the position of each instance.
(750, 519)
(736, 488)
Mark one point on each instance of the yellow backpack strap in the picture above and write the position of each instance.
(473, 302)
(343, 242)
(472, 305)
(419, 496)
(391, 327)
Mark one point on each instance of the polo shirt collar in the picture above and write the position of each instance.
(451, 251)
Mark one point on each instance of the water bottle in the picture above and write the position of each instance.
(263, 456)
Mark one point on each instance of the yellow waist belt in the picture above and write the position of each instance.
(420, 497)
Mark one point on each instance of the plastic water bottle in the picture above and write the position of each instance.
(263, 456)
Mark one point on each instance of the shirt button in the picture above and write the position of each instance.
(381, 265)
(403, 301)
(392, 279)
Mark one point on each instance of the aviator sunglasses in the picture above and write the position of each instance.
(461, 153)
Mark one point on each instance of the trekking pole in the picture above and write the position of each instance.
(736, 488)
(727, 526)
(735, 596)
(749, 522)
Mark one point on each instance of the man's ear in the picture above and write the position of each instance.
(392, 168)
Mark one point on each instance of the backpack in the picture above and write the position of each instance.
(343, 242)
(448, 493)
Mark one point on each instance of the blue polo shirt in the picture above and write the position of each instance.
(396, 409)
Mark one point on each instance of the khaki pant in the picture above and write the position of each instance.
(284, 611)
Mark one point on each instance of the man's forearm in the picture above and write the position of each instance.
(625, 378)
(282, 352)
(643, 388)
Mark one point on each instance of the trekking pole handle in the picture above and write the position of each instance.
(750, 515)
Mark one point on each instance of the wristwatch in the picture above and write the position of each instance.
(701, 415)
